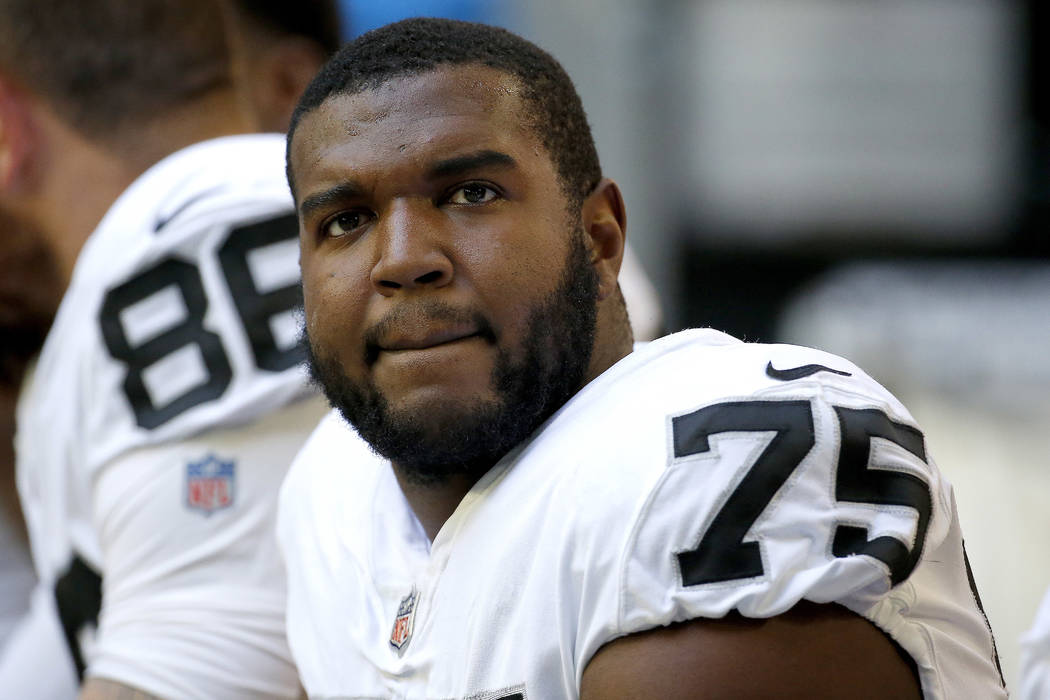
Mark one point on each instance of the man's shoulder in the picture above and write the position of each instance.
(174, 204)
(230, 173)
(616, 453)
(698, 431)
(706, 475)
(708, 362)
(331, 442)
(627, 429)
(334, 471)
(643, 399)
(182, 304)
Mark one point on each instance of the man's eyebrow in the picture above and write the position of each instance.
(468, 162)
(339, 193)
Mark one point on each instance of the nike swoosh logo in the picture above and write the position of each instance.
(164, 221)
(786, 375)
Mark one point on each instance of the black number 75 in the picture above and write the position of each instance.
(723, 555)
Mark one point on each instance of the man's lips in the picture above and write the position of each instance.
(417, 340)
(423, 326)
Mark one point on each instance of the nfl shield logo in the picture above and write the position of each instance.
(406, 613)
(209, 484)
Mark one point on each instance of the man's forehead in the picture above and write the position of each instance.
(470, 89)
(472, 99)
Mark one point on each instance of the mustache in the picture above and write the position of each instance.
(424, 313)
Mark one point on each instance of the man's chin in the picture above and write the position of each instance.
(448, 439)
(437, 409)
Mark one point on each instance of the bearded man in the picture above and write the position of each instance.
(527, 507)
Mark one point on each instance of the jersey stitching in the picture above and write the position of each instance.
(628, 544)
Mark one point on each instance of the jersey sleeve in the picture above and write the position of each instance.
(194, 582)
(770, 499)
(768, 488)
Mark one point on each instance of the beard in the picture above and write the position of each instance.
(429, 447)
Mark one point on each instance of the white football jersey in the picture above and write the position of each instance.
(697, 476)
(167, 402)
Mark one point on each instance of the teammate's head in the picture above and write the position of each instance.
(103, 65)
(316, 21)
(550, 104)
(459, 278)
(278, 48)
(94, 92)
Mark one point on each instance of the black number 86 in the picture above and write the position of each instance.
(254, 308)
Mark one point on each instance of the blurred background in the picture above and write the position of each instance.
(870, 178)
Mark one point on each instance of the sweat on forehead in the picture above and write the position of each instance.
(418, 46)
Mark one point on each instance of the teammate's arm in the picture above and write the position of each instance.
(102, 689)
(812, 651)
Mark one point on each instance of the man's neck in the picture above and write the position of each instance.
(79, 179)
(434, 504)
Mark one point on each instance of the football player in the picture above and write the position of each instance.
(536, 511)
(167, 399)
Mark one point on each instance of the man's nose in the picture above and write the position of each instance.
(411, 254)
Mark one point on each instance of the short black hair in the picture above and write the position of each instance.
(106, 64)
(317, 20)
(416, 46)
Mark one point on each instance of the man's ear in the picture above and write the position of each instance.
(605, 224)
(300, 62)
(16, 134)
(290, 63)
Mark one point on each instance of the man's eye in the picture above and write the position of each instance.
(473, 193)
(345, 223)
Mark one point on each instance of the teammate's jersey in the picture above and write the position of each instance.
(165, 407)
(697, 476)
(1035, 656)
(16, 576)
